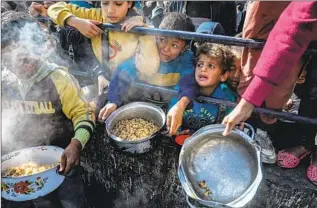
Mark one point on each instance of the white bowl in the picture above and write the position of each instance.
(30, 187)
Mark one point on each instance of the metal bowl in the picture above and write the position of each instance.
(230, 166)
(33, 186)
(147, 111)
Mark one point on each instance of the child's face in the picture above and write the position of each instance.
(115, 11)
(208, 71)
(19, 60)
(234, 75)
(170, 48)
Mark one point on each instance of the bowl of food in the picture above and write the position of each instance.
(134, 127)
(30, 173)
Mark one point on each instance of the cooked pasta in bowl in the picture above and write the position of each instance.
(27, 169)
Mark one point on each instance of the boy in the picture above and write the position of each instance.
(42, 105)
(235, 73)
(176, 60)
(213, 65)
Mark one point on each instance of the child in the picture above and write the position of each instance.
(234, 75)
(176, 60)
(213, 65)
(42, 104)
(122, 45)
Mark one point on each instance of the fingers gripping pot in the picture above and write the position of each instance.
(218, 171)
(147, 111)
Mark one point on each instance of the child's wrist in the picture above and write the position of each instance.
(183, 102)
(71, 21)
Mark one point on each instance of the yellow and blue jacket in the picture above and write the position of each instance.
(168, 75)
(51, 111)
(122, 46)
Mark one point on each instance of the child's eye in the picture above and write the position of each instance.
(233, 67)
(105, 3)
(199, 65)
(162, 40)
(119, 3)
(211, 66)
(175, 46)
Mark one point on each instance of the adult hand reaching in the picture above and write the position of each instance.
(239, 114)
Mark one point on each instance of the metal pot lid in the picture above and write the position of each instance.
(214, 168)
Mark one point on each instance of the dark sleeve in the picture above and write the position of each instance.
(188, 87)
(225, 13)
(122, 79)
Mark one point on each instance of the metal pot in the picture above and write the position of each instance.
(147, 111)
(30, 187)
(230, 166)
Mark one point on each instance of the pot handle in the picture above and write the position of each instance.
(188, 202)
(251, 132)
(164, 131)
(211, 204)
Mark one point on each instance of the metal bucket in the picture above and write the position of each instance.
(147, 111)
(230, 167)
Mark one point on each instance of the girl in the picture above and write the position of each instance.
(122, 46)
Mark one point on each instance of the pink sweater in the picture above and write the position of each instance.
(287, 42)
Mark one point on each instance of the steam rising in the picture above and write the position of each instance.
(25, 46)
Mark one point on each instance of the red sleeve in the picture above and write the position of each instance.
(288, 40)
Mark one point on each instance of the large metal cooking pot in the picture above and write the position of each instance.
(147, 111)
(229, 166)
(33, 186)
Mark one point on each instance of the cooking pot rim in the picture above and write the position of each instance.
(125, 107)
(244, 198)
(24, 149)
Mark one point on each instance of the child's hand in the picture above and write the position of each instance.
(174, 119)
(70, 157)
(106, 111)
(131, 23)
(86, 27)
(37, 9)
(102, 83)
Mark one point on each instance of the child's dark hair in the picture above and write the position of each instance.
(11, 24)
(177, 21)
(219, 52)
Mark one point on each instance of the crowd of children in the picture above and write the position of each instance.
(44, 92)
